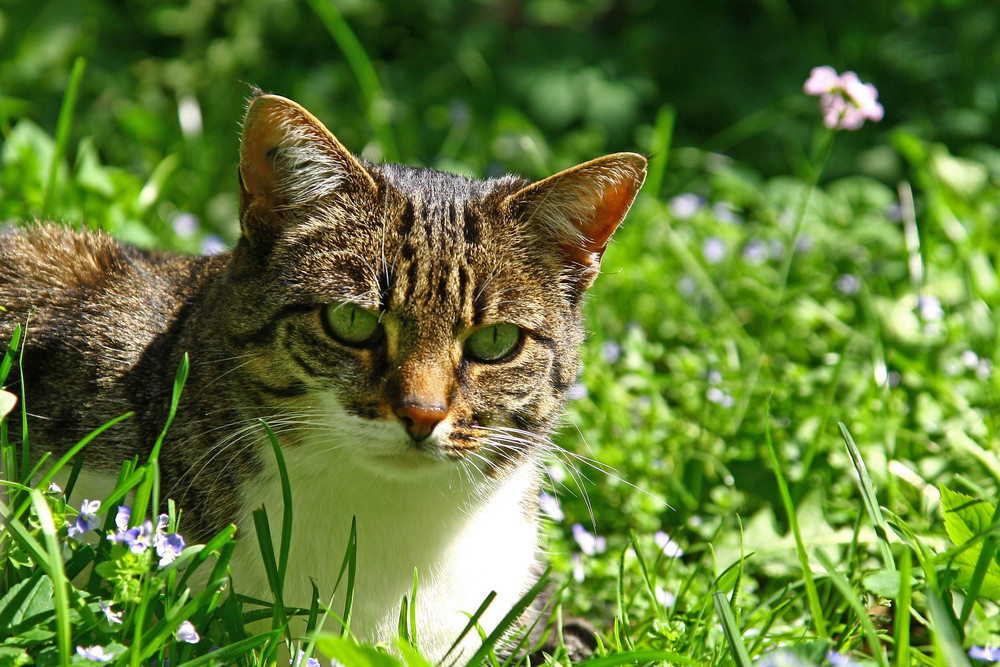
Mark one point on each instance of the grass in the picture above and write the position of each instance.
(792, 379)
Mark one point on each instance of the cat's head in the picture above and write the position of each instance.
(410, 316)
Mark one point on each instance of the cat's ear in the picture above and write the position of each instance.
(582, 206)
(289, 159)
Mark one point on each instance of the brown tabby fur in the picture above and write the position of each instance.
(434, 255)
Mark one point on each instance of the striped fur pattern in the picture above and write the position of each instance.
(434, 450)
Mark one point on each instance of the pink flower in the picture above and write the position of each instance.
(846, 102)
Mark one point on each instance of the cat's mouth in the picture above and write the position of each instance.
(410, 459)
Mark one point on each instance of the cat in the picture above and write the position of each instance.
(410, 336)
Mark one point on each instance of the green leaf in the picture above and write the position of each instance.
(26, 599)
(348, 652)
(965, 520)
(14, 657)
(885, 583)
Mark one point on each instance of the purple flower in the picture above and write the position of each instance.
(138, 539)
(846, 102)
(930, 308)
(713, 250)
(549, 505)
(54, 488)
(589, 544)
(985, 653)
(578, 573)
(168, 548)
(669, 548)
(187, 633)
(213, 245)
(94, 654)
(848, 284)
(114, 617)
(839, 659)
(720, 397)
(122, 518)
(686, 205)
(611, 351)
(185, 225)
(87, 519)
(664, 597)
(298, 662)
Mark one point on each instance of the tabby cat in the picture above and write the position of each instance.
(410, 335)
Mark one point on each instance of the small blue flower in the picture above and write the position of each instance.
(298, 662)
(669, 548)
(187, 633)
(578, 574)
(664, 597)
(86, 520)
(550, 506)
(138, 539)
(839, 659)
(713, 250)
(168, 548)
(94, 654)
(985, 653)
(685, 205)
(114, 617)
(589, 544)
(122, 518)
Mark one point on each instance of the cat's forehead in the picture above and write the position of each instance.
(431, 185)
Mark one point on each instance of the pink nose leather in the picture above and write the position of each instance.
(420, 420)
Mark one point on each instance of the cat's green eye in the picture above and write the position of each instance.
(494, 342)
(351, 324)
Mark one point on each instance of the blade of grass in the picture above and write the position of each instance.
(901, 620)
(286, 498)
(947, 648)
(234, 650)
(63, 127)
(786, 500)
(663, 134)
(509, 620)
(364, 72)
(8, 357)
(53, 566)
(847, 592)
(868, 495)
(645, 574)
(641, 657)
(145, 490)
(270, 566)
(731, 630)
(349, 565)
(473, 620)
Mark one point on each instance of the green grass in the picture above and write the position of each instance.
(792, 378)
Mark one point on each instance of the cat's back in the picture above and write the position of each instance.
(91, 308)
(66, 279)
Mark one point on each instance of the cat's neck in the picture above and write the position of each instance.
(463, 540)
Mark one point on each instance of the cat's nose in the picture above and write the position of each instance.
(420, 420)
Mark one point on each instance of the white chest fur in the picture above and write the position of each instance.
(465, 539)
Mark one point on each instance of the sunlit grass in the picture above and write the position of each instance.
(791, 380)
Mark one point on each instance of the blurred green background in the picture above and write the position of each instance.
(489, 86)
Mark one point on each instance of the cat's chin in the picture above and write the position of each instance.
(405, 462)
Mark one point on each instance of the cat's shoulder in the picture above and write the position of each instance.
(50, 256)
(53, 256)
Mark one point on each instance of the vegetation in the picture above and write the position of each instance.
(783, 449)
